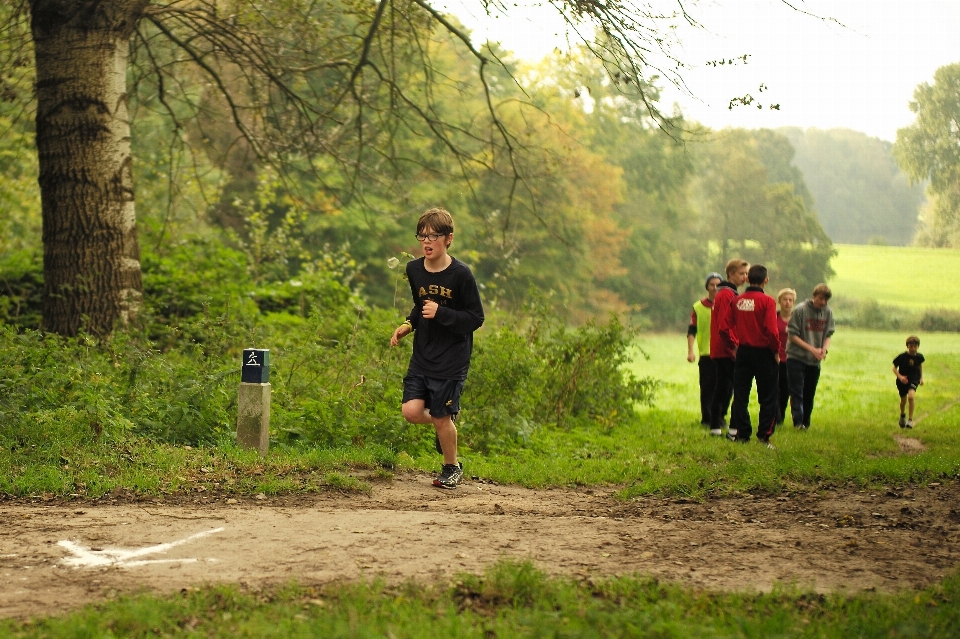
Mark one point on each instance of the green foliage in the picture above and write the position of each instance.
(940, 319)
(928, 149)
(509, 600)
(860, 194)
(748, 215)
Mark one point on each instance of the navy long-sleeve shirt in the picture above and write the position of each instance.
(442, 346)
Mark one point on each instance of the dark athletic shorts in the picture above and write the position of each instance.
(903, 389)
(440, 396)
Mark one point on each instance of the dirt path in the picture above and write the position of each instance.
(56, 557)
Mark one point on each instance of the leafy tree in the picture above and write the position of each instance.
(860, 194)
(929, 149)
(318, 83)
(746, 215)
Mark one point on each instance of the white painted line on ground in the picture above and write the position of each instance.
(86, 557)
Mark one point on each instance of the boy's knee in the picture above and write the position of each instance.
(413, 412)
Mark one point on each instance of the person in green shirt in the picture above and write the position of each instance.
(699, 332)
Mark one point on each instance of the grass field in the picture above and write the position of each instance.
(905, 276)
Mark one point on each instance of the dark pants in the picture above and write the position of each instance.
(784, 391)
(708, 381)
(759, 363)
(722, 392)
(802, 379)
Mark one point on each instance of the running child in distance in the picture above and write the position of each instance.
(908, 367)
(446, 311)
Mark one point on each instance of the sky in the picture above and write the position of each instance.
(853, 64)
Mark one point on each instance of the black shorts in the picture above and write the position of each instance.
(440, 396)
(903, 389)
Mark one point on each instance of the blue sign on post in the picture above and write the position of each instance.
(256, 366)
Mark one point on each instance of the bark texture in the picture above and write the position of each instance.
(91, 257)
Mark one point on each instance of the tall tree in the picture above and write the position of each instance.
(929, 149)
(316, 82)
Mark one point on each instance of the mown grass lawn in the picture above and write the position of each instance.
(905, 276)
(851, 440)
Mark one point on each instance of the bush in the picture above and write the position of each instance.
(940, 319)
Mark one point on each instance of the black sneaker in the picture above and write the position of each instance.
(450, 476)
(903, 421)
(436, 444)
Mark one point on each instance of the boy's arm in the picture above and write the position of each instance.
(467, 319)
(900, 378)
(773, 331)
(691, 336)
(921, 374)
(726, 323)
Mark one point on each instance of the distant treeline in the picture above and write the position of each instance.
(860, 194)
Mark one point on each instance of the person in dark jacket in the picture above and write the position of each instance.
(446, 311)
(755, 325)
(723, 345)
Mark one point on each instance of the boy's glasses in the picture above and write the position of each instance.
(433, 237)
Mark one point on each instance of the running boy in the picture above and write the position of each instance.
(755, 325)
(699, 332)
(908, 367)
(723, 344)
(446, 311)
(810, 329)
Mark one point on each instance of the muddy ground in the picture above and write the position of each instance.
(54, 557)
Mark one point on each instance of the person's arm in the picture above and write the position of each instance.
(691, 336)
(413, 318)
(900, 378)
(826, 347)
(920, 383)
(467, 319)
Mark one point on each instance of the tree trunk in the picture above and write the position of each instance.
(91, 257)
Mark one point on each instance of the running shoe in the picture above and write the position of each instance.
(766, 442)
(450, 476)
(909, 423)
(716, 432)
(903, 421)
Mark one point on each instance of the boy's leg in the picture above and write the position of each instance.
(447, 434)
(722, 392)
(768, 393)
(708, 382)
(795, 383)
(811, 376)
(911, 395)
(783, 391)
(415, 412)
(743, 373)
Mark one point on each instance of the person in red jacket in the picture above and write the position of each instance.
(754, 320)
(723, 347)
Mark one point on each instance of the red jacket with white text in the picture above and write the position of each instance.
(755, 320)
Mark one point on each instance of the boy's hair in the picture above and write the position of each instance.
(438, 219)
(712, 276)
(784, 291)
(913, 339)
(822, 290)
(757, 274)
(735, 265)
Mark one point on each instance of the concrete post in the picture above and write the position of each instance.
(253, 401)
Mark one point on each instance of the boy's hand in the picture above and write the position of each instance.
(691, 357)
(402, 331)
(429, 309)
(921, 383)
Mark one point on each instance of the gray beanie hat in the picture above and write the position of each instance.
(712, 276)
